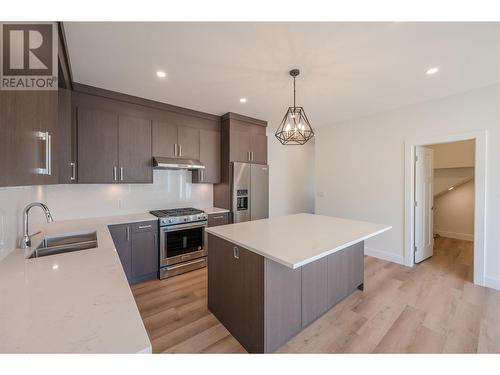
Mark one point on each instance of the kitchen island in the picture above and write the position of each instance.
(268, 279)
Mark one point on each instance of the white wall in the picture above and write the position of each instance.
(170, 189)
(454, 213)
(454, 154)
(444, 178)
(291, 177)
(360, 166)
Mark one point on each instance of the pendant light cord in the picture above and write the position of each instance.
(294, 93)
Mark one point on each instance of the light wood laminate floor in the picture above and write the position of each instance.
(431, 308)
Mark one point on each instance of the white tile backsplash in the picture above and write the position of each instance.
(170, 189)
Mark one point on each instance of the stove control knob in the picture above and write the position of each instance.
(170, 220)
(185, 219)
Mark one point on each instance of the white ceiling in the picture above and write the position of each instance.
(348, 70)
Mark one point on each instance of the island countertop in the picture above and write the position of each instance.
(78, 302)
(296, 240)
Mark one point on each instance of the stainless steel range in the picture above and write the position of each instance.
(181, 240)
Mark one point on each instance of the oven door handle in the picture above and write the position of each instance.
(183, 226)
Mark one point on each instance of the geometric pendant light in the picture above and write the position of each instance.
(295, 128)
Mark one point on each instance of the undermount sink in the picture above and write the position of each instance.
(52, 245)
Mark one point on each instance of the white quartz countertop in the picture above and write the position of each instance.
(77, 302)
(296, 240)
(214, 210)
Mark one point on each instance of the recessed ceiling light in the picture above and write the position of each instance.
(55, 266)
(432, 71)
(453, 187)
(243, 100)
(161, 74)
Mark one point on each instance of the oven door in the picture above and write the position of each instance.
(182, 242)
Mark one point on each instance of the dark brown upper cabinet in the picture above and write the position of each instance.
(66, 140)
(113, 148)
(175, 141)
(97, 133)
(164, 139)
(134, 150)
(28, 137)
(189, 142)
(210, 154)
(247, 139)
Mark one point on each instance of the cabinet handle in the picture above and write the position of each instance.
(175, 149)
(218, 217)
(252, 156)
(47, 139)
(144, 226)
(128, 233)
(48, 154)
(180, 150)
(201, 171)
(73, 171)
(121, 173)
(248, 156)
(114, 173)
(236, 252)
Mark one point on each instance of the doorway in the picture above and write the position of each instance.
(444, 204)
(426, 239)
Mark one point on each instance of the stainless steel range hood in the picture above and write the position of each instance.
(175, 163)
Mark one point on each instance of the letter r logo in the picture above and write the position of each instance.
(27, 49)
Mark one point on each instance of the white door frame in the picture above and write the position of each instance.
(480, 137)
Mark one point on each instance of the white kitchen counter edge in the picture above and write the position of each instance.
(301, 263)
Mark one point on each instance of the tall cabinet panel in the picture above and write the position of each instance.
(97, 146)
(134, 150)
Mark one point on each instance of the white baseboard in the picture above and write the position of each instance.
(492, 282)
(384, 255)
(458, 236)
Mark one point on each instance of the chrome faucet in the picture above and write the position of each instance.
(26, 240)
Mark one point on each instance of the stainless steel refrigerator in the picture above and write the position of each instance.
(250, 191)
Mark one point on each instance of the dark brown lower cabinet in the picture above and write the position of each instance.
(218, 219)
(137, 247)
(263, 303)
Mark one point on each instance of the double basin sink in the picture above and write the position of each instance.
(66, 243)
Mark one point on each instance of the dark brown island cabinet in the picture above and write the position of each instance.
(264, 303)
(137, 247)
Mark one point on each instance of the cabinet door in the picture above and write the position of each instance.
(145, 255)
(164, 139)
(67, 172)
(188, 140)
(210, 157)
(236, 291)
(22, 152)
(239, 146)
(259, 148)
(97, 146)
(122, 239)
(218, 219)
(134, 150)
